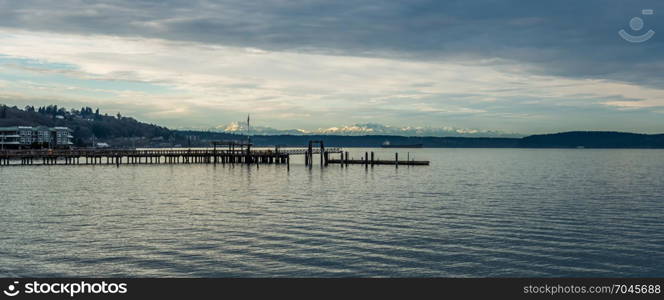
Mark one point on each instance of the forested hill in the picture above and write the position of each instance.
(85, 122)
(593, 139)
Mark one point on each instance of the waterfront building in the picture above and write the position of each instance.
(22, 137)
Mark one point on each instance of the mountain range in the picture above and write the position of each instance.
(366, 129)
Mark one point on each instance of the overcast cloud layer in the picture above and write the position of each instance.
(515, 66)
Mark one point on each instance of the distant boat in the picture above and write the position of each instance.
(387, 144)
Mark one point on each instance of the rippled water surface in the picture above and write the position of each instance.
(472, 213)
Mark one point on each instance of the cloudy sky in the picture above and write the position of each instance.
(512, 66)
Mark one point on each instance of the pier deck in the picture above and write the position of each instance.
(131, 156)
(186, 156)
(379, 162)
(345, 159)
(150, 156)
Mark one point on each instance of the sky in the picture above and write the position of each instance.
(491, 66)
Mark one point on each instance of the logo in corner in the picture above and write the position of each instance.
(636, 24)
(13, 290)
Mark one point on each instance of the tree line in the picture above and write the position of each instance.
(85, 122)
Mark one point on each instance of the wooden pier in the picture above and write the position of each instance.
(371, 160)
(129, 156)
(230, 153)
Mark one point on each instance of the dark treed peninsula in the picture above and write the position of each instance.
(90, 125)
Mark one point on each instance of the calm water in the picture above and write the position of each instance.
(473, 212)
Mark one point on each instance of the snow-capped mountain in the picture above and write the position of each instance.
(241, 128)
(366, 129)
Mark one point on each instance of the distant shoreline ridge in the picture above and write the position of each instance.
(90, 127)
(572, 139)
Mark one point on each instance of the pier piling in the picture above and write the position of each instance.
(232, 155)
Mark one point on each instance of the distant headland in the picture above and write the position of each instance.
(90, 127)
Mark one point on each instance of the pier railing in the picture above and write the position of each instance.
(154, 152)
(187, 156)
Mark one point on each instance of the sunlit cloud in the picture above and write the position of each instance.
(191, 84)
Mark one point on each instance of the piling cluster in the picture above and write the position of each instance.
(370, 160)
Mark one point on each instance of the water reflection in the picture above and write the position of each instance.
(473, 212)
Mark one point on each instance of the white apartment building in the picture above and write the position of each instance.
(28, 137)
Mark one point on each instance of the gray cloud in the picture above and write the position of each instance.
(570, 39)
(564, 38)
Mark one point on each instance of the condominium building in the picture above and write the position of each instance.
(35, 137)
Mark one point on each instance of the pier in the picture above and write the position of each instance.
(220, 153)
(372, 160)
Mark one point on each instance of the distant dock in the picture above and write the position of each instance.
(221, 153)
(379, 162)
(370, 160)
